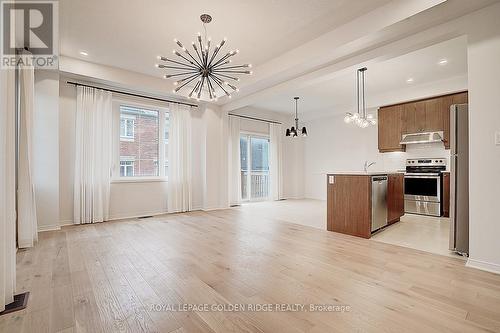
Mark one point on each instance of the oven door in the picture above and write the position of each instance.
(423, 187)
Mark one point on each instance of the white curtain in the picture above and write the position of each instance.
(7, 188)
(179, 159)
(276, 161)
(93, 155)
(234, 162)
(27, 222)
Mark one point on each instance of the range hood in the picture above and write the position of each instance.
(425, 137)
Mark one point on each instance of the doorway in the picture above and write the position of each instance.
(254, 158)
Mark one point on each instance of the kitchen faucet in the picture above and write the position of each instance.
(367, 165)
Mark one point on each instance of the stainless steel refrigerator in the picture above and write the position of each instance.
(459, 182)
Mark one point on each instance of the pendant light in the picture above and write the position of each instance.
(294, 130)
(361, 118)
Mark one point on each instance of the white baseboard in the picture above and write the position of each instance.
(208, 209)
(51, 227)
(64, 223)
(483, 265)
(136, 215)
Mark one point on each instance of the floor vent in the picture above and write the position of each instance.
(20, 303)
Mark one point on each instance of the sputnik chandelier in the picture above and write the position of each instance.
(361, 118)
(206, 72)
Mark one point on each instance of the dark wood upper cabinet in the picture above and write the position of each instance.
(427, 115)
(390, 122)
(433, 115)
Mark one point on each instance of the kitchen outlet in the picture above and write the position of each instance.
(331, 179)
(497, 138)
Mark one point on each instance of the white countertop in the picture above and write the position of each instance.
(362, 173)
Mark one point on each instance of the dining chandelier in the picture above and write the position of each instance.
(361, 118)
(294, 130)
(205, 71)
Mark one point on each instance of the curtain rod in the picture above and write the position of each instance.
(130, 94)
(256, 119)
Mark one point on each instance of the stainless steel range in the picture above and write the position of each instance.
(423, 179)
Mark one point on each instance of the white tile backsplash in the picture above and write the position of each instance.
(396, 160)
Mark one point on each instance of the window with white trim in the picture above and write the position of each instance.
(126, 167)
(142, 141)
(127, 127)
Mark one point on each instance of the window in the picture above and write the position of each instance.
(127, 126)
(143, 143)
(126, 168)
(254, 160)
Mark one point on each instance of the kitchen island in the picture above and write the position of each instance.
(359, 203)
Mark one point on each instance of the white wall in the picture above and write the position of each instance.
(46, 148)
(484, 86)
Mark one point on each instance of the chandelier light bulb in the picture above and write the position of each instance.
(348, 118)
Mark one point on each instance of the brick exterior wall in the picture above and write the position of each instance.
(143, 149)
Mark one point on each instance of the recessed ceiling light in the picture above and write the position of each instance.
(410, 80)
(443, 62)
(83, 53)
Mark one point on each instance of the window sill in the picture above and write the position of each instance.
(139, 180)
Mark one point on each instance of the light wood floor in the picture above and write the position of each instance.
(105, 277)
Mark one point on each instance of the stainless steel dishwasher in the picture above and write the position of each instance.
(379, 202)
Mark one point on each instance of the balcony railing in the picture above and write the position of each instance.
(259, 185)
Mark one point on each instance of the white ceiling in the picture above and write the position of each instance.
(130, 34)
(287, 41)
(337, 94)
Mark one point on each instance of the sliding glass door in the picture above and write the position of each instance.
(254, 152)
